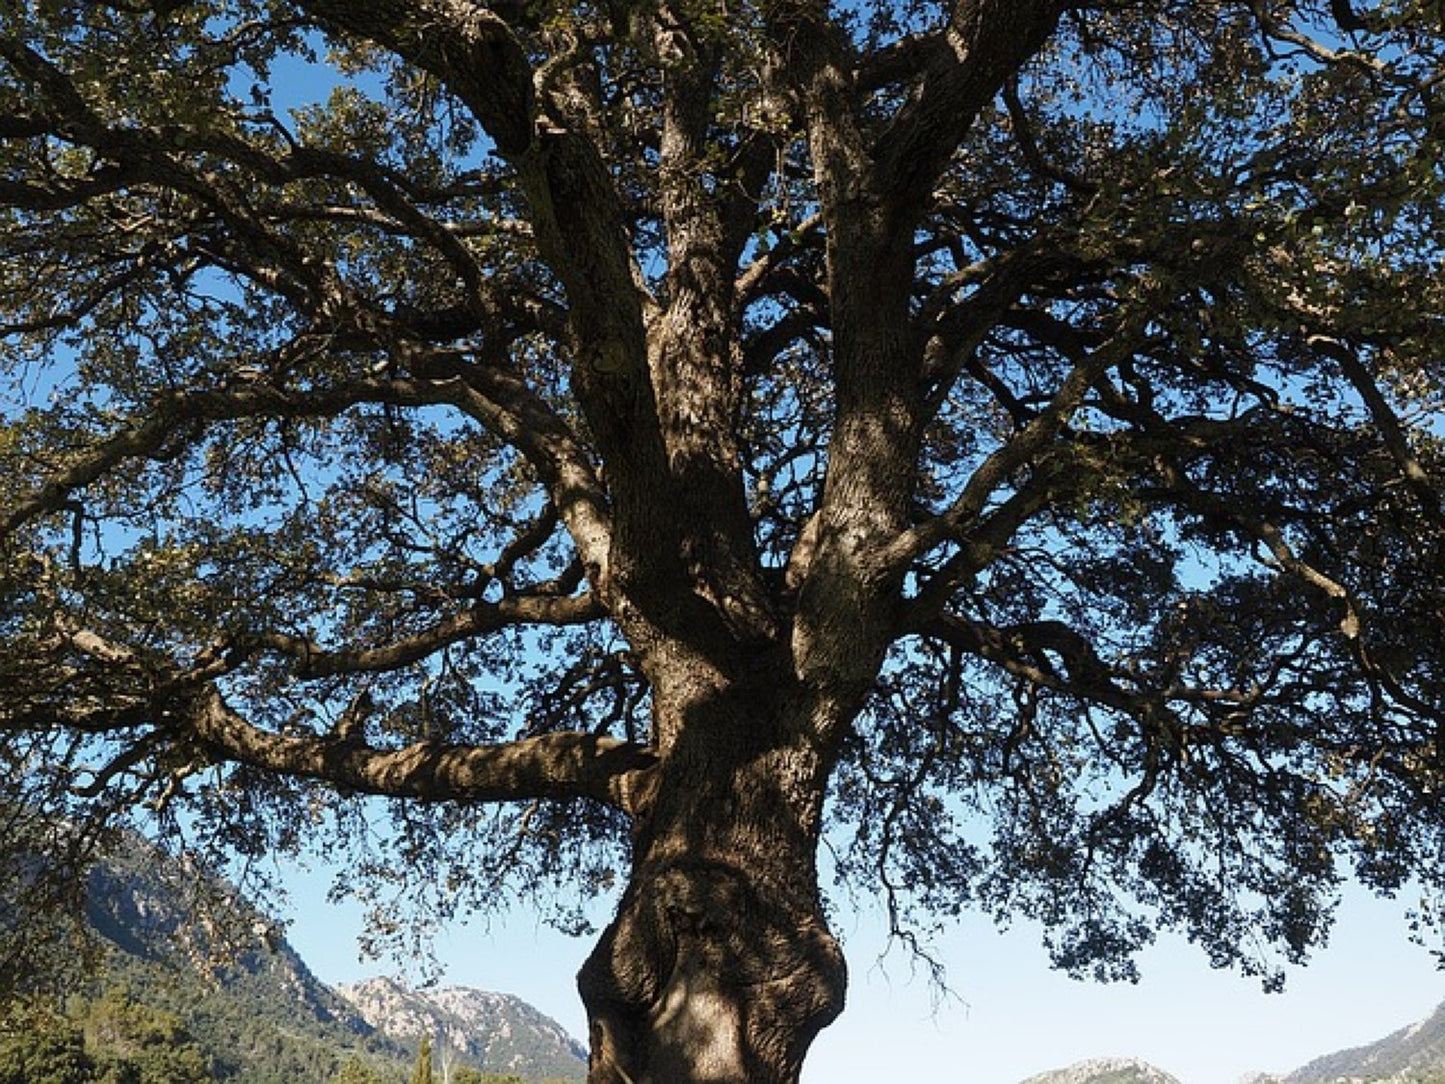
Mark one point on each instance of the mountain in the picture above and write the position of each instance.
(497, 1033)
(144, 906)
(182, 952)
(182, 943)
(1105, 1071)
(1415, 1054)
(236, 996)
(186, 972)
(1412, 1055)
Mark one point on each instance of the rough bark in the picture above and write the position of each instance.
(720, 966)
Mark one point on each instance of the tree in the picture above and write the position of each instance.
(38, 1045)
(421, 1072)
(134, 1043)
(639, 442)
(467, 1075)
(355, 1071)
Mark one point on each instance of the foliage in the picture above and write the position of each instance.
(173, 996)
(355, 1071)
(252, 1030)
(137, 1044)
(163, 1009)
(421, 1072)
(113, 1040)
(41, 1047)
(1005, 436)
(476, 1076)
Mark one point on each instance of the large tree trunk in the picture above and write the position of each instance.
(719, 966)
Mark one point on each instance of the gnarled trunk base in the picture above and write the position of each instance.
(711, 973)
(719, 966)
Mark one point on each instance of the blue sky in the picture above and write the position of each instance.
(1009, 1015)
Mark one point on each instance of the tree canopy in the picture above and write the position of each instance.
(643, 440)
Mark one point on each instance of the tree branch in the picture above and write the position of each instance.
(155, 434)
(984, 44)
(956, 328)
(1019, 649)
(477, 620)
(1024, 136)
(580, 230)
(170, 704)
(502, 401)
(1392, 433)
(463, 43)
(551, 766)
(1023, 449)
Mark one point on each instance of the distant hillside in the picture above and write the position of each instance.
(497, 1033)
(1415, 1054)
(262, 1017)
(1105, 1071)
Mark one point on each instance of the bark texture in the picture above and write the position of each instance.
(719, 965)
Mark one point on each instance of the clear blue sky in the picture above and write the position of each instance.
(1011, 1015)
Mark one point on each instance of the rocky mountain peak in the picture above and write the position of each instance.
(498, 1031)
(1105, 1071)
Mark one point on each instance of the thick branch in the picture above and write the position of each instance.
(1026, 448)
(555, 766)
(1020, 650)
(167, 703)
(1028, 146)
(580, 231)
(957, 327)
(986, 540)
(1391, 430)
(983, 46)
(503, 402)
(465, 44)
(693, 350)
